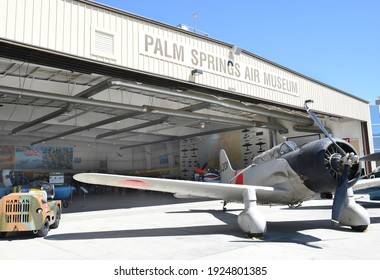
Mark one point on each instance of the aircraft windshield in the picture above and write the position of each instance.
(275, 152)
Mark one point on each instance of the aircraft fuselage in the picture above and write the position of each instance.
(297, 175)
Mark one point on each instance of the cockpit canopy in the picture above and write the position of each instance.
(275, 152)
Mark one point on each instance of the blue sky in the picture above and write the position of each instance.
(335, 42)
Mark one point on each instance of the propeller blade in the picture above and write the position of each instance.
(321, 127)
(204, 166)
(340, 196)
(371, 157)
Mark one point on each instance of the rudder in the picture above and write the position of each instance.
(225, 168)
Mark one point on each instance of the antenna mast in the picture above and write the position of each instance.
(195, 22)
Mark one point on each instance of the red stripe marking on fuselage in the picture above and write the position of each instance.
(240, 178)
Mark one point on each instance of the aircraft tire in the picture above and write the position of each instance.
(57, 219)
(43, 231)
(359, 228)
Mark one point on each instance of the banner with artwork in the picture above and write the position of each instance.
(52, 158)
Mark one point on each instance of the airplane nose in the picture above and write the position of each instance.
(336, 163)
(319, 165)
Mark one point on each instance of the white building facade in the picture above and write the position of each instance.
(96, 39)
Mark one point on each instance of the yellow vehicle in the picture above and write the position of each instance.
(30, 210)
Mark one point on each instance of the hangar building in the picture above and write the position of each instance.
(84, 86)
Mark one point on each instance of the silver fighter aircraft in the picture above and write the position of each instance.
(284, 174)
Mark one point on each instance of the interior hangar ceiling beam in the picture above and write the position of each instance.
(70, 99)
(219, 119)
(189, 108)
(134, 108)
(111, 120)
(131, 128)
(84, 94)
(45, 118)
(220, 102)
(88, 127)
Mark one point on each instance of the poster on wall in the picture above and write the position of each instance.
(253, 142)
(189, 157)
(241, 147)
(32, 157)
(57, 178)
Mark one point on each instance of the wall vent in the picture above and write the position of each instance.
(103, 43)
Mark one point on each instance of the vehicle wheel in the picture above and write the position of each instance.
(43, 231)
(3, 234)
(65, 204)
(57, 218)
(359, 228)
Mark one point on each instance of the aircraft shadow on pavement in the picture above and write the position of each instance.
(121, 199)
(365, 204)
(284, 231)
(369, 204)
(278, 231)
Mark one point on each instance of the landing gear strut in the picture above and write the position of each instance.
(251, 221)
(224, 206)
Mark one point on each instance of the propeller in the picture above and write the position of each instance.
(201, 170)
(346, 159)
(371, 157)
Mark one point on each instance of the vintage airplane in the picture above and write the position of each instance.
(284, 174)
(206, 174)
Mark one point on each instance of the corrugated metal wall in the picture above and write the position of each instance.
(86, 30)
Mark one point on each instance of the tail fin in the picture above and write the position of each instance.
(225, 169)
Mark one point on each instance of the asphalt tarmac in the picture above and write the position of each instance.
(141, 225)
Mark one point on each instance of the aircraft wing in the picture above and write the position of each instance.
(366, 183)
(227, 192)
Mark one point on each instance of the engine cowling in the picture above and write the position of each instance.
(319, 165)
